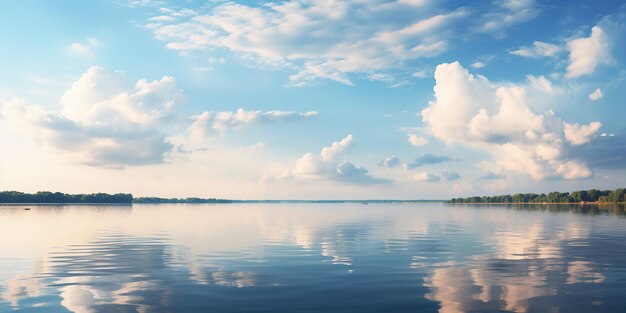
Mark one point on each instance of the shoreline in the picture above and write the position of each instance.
(539, 203)
(234, 202)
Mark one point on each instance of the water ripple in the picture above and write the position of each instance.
(312, 258)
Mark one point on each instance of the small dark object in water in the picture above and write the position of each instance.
(27, 209)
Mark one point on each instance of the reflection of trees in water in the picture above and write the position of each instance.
(588, 208)
(592, 209)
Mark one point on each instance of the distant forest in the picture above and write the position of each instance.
(58, 197)
(177, 200)
(593, 195)
(123, 198)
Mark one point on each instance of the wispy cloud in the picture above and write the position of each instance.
(538, 50)
(208, 125)
(336, 39)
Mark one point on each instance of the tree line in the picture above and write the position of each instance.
(58, 197)
(179, 200)
(592, 195)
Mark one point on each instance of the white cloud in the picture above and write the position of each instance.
(178, 13)
(141, 3)
(336, 39)
(417, 141)
(541, 83)
(84, 49)
(104, 119)
(330, 164)
(538, 50)
(421, 74)
(318, 39)
(507, 13)
(587, 53)
(596, 95)
(426, 177)
(208, 125)
(478, 65)
(573, 170)
(578, 134)
(162, 18)
(471, 111)
(381, 77)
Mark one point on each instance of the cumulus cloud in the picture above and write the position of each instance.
(538, 50)
(596, 95)
(427, 159)
(104, 119)
(471, 111)
(587, 53)
(329, 164)
(208, 125)
(317, 39)
(390, 161)
(578, 134)
(417, 141)
(478, 65)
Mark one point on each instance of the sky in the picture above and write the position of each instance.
(303, 99)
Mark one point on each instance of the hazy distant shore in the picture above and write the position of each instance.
(582, 197)
(46, 197)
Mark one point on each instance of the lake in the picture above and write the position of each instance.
(425, 257)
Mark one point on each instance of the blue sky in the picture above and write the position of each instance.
(312, 99)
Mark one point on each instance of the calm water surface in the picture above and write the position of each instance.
(312, 258)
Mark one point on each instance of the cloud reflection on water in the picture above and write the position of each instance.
(144, 260)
